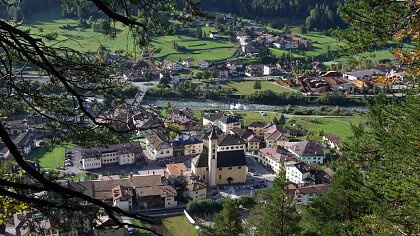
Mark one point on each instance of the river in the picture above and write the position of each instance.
(203, 104)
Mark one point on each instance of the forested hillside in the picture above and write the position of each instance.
(322, 14)
(26, 8)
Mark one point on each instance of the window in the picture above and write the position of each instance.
(220, 168)
(230, 168)
(220, 176)
(167, 151)
(204, 177)
(222, 148)
(207, 168)
(239, 167)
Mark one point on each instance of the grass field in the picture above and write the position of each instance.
(179, 226)
(248, 117)
(87, 40)
(49, 158)
(247, 87)
(207, 49)
(338, 126)
(174, 226)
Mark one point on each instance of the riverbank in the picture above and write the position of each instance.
(206, 104)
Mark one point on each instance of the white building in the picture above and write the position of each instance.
(226, 123)
(212, 119)
(303, 195)
(203, 64)
(300, 172)
(267, 70)
(158, 147)
(196, 191)
(174, 66)
(308, 151)
(214, 35)
(122, 197)
(121, 154)
(273, 157)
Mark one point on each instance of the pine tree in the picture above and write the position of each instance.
(280, 217)
(375, 188)
(228, 221)
(257, 85)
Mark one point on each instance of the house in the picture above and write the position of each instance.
(234, 65)
(300, 172)
(185, 145)
(220, 71)
(105, 226)
(146, 123)
(25, 142)
(254, 70)
(117, 154)
(214, 34)
(145, 191)
(275, 135)
(196, 190)
(249, 50)
(242, 39)
(258, 128)
(15, 127)
(158, 147)
(203, 64)
(37, 123)
(273, 157)
(35, 223)
(303, 195)
(269, 69)
(188, 62)
(308, 151)
(122, 197)
(364, 75)
(248, 136)
(227, 123)
(212, 119)
(175, 78)
(222, 162)
(332, 141)
(176, 169)
(173, 66)
(4, 152)
(180, 120)
(141, 70)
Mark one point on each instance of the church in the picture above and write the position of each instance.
(223, 161)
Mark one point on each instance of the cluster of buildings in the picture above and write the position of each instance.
(362, 81)
(26, 134)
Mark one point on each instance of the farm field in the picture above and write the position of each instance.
(49, 158)
(338, 126)
(85, 40)
(72, 36)
(247, 87)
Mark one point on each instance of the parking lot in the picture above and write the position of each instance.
(258, 178)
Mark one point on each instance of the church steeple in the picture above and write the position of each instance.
(212, 158)
(212, 134)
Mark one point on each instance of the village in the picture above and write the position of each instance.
(212, 158)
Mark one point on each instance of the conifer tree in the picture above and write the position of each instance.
(280, 217)
(228, 221)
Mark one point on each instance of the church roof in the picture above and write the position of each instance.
(224, 159)
(229, 139)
